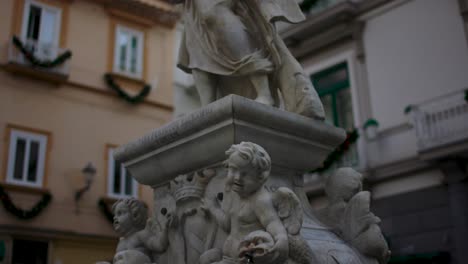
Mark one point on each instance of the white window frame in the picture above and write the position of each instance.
(139, 65)
(42, 139)
(123, 174)
(27, 8)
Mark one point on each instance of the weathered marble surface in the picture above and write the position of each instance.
(185, 163)
(232, 47)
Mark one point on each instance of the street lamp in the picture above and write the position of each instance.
(88, 172)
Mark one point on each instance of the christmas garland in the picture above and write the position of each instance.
(131, 99)
(20, 213)
(38, 62)
(339, 152)
(370, 122)
(105, 210)
(466, 95)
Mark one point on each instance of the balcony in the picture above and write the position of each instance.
(18, 62)
(441, 125)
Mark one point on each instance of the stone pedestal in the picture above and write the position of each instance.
(183, 163)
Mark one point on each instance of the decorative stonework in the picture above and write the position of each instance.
(234, 212)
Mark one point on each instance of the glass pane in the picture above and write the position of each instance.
(117, 179)
(33, 161)
(128, 183)
(48, 26)
(34, 22)
(328, 107)
(331, 79)
(37, 252)
(19, 159)
(123, 40)
(345, 109)
(134, 55)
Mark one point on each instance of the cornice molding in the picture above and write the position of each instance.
(155, 12)
(334, 25)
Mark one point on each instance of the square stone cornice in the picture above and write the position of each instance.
(201, 138)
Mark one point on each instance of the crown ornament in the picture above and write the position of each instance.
(191, 185)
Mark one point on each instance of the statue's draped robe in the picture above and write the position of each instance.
(206, 47)
(212, 43)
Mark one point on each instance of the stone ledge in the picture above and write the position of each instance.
(200, 139)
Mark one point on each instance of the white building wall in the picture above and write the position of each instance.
(414, 52)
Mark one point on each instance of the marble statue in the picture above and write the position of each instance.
(140, 236)
(250, 207)
(261, 224)
(131, 257)
(232, 46)
(349, 215)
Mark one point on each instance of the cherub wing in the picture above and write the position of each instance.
(289, 209)
(357, 216)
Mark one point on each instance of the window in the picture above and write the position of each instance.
(26, 158)
(120, 182)
(41, 27)
(37, 251)
(128, 57)
(333, 87)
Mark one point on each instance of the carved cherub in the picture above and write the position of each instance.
(137, 233)
(349, 214)
(259, 221)
(131, 257)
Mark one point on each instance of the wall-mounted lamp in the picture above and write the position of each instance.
(88, 172)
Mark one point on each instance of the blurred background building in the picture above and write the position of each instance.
(393, 73)
(61, 117)
(397, 71)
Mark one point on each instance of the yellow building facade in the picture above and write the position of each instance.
(61, 117)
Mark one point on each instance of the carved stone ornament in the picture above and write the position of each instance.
(219, 198)
(232, 47)
(350, 217)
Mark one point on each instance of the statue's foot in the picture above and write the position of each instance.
(268, 100)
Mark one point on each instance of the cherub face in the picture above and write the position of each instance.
(122, 219)
(242, 177)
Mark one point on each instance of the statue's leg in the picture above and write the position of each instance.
(206, 86)
(261, 85)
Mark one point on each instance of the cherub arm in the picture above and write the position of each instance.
(155, 238)
(213, 209)
(269, 218)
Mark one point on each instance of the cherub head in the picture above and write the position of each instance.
(130, 216)
(131, 257)
(343, 184)
(248, 166)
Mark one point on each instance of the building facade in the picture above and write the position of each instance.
(396, 70)
(77, 79)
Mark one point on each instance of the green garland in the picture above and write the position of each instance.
(466, 95)
(370, 122)
(408, 109)
(306, 5)
(23, 214)
(351, 138)
(105, 210)
(38, 62)
(131, 99)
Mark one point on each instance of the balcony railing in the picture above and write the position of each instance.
(441, 121)
(41, 51)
